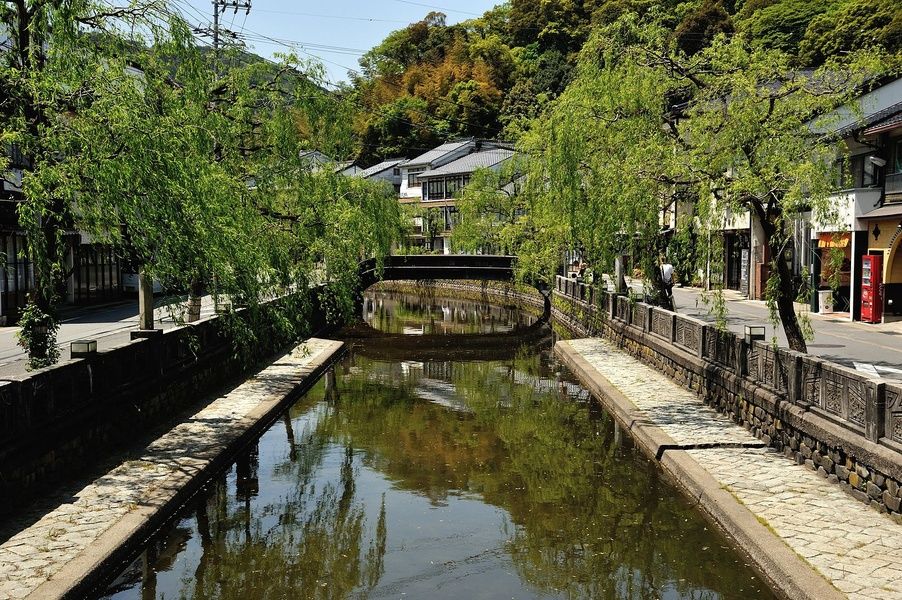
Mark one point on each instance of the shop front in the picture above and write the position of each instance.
(833, 278)
(737, 260)
(885, 240)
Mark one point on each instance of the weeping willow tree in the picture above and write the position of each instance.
(492, 210)
(645, 131)
(138, 138)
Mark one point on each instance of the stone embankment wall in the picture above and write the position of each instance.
(56, 420)
(841, 423)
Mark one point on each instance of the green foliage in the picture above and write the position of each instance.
(683, 252)
(37, 335)
(491, 76)
(430, 80)
(613, 152)
(852, 25)
(189, 169)
(701, 26)
(782, 24)
(492, 211)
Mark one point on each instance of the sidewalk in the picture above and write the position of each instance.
(873, 349)
(810, 538)
(110, 325)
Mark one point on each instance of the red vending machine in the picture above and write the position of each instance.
(871, 288)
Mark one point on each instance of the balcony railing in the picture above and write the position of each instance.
(894, 183)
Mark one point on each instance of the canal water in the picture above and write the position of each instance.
(427, 465)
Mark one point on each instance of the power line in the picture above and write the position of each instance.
(340, 17)
(463, 12)
(301, 47)
(251, 35)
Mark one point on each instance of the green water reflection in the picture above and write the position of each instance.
(424, 314)
(441, 479)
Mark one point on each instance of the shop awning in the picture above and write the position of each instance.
(884, 212)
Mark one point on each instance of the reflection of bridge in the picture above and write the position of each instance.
(419, 267)
(379, 345)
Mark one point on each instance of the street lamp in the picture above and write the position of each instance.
(754, 333)
(83, 348)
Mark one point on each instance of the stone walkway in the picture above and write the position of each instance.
(49, 554)
(854, 547)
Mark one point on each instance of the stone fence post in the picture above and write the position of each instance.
(874, 411)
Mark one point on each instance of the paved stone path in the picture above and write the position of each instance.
(41, 550)
(854, 547)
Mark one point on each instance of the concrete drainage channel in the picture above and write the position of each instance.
(70, 550)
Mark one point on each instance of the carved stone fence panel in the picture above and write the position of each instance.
(623, 309)
(769, 366)
(604, 301)
(845, 395)
(892, 418)
(811, 384)
(721, 347)
(639, 315)
(689, 334)
(662, 323)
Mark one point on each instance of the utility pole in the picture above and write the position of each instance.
(220, 6)
(218, 33)
(196, 291)
(215, 27)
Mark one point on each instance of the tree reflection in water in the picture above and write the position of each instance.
(441, 479)
(589, 516)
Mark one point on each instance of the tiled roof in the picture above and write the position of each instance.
(437, 153)
(471, 162)
(342, 165)
(890, 122)
(383, 166)
(893, 209)
(870, 120)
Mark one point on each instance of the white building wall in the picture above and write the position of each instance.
(417, 191)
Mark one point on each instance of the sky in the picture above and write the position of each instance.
(337, 32)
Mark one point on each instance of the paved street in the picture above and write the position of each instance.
(109, 325)
(874, 349)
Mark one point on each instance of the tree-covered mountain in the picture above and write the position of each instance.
(491, 76)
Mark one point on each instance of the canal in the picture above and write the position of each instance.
(446, 456)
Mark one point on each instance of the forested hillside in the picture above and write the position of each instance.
(490, 76)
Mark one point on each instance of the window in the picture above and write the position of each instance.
(396, 171)
(412, 176)
(450, 216)
(435, 189)
(863, 171)
(840, 173)
(870, 177)
(452, 186)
